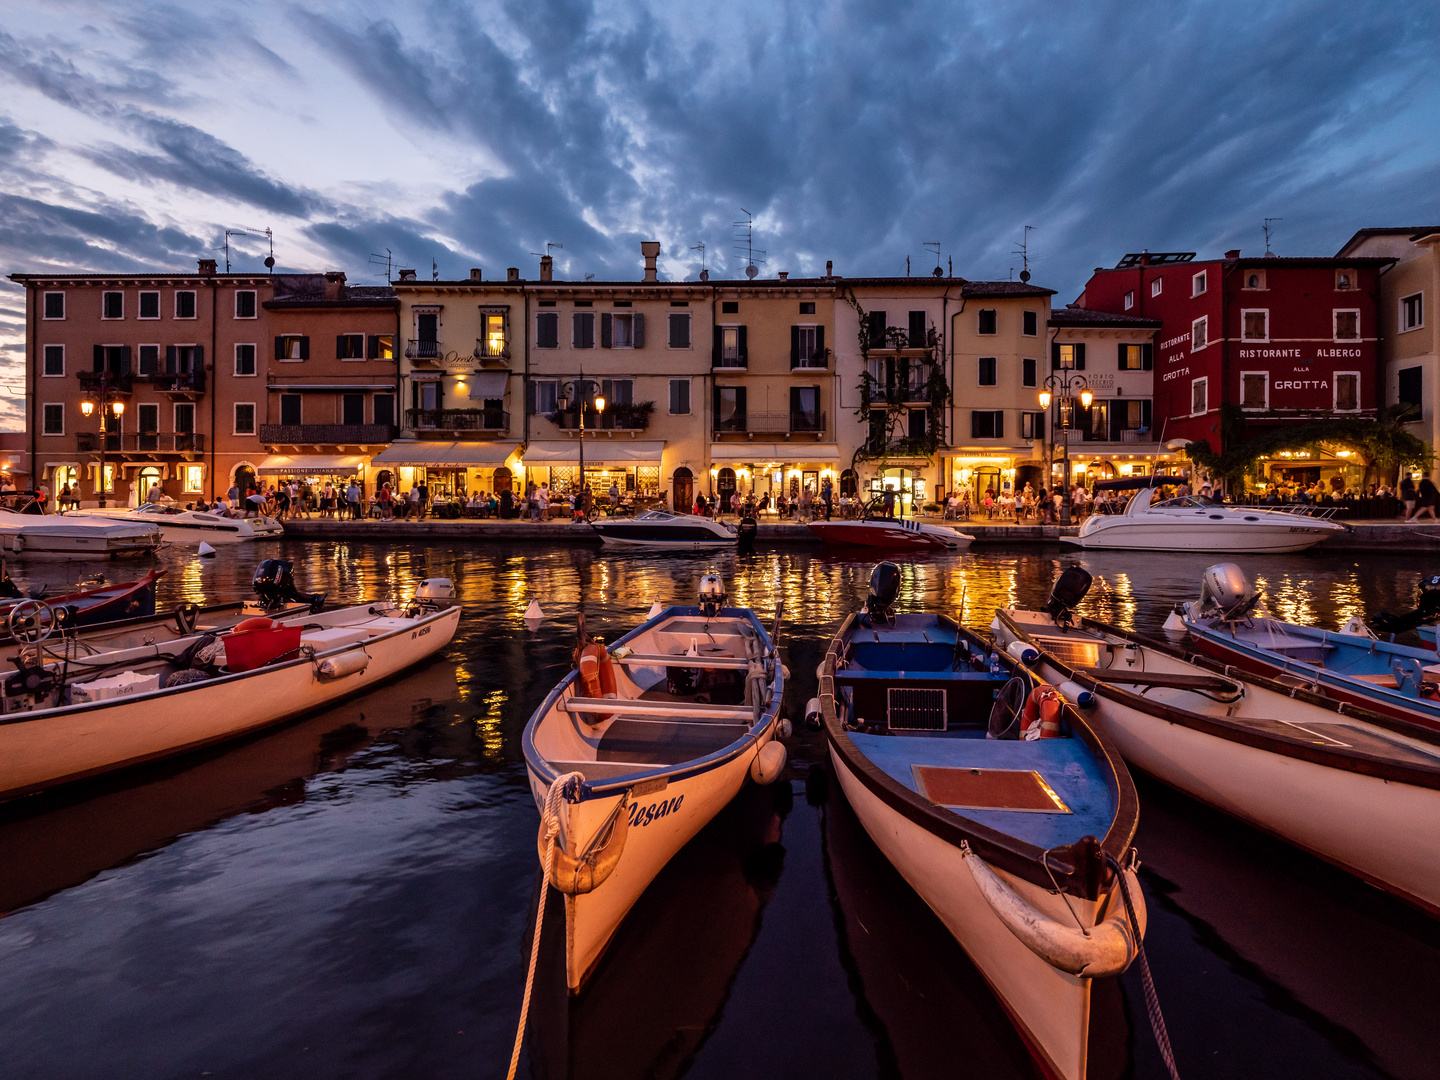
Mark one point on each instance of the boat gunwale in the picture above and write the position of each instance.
(1001, 849)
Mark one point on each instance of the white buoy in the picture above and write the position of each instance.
(768, 763)
(1174, 623)
(206, 551)
(533, 612)
(813, 715)
(655, 609)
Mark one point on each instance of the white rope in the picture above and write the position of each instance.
(549, 827)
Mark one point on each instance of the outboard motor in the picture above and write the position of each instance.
(1426, 613)
(275, 585)
(435, 594)
(1225, 591)
(1069, 589)
(745, 534)
(712, 595)
(884, 587)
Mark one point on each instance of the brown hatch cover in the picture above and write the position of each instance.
(988, 789)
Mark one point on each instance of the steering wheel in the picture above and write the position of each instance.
(31, 621)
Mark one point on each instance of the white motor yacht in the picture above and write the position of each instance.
(36, 534)
(180, 526)
(1199, 523)
(663, 529)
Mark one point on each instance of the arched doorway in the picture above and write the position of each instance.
(382, 478)
(725, 487)
(147, 478)
(684, 487)
(504, 480)
(245, 480)
(849, 483)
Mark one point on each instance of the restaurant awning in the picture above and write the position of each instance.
(312, 464)
(455, 455)
(487, 384)
(597, 452)
(779, 453)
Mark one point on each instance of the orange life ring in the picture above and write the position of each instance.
(1041, 714)
(597, 678)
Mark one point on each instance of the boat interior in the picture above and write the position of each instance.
(1368, 659)
(685, 687)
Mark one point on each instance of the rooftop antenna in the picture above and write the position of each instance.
(551, 246)
(1268, 231)
(434, 269)
(700, 247)
(387, 258)
(590, 276)
(1024, 252)
(744, 244)
(934, 245)
(269, 259)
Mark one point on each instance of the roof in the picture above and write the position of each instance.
(966, 287)
(1080, 317)
(1255, 260)
(1411, 232)
(147, 276)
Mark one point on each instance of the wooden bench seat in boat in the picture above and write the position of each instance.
(651, 743)
(600, 770)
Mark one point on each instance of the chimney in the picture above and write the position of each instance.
(475, 274)
(547, 268)
(784, 275)
(1233, 253)
(334, 284)
(829, 267)
(704, 275)
(651, 250)
(512, 274)
(207, 267)
(406, 275)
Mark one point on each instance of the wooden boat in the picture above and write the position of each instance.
(1357, 789)
(1022, 846)
(640, 746)
(66, 719)
(1397, 681)
(88, 606)
(874, 530)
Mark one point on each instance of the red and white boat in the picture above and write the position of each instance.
(876, 531)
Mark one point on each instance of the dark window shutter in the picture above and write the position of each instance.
(639, 330)
(876, 323)
(529, 397)
(1145, 413)
(917, 329)
(1054, 356)
(172, 360)
(1121, 357)
(339, 346)
(820, 340)
(794, 346)
(715, 406)
(415, 395)
(794, 401)
(372, 346)
(279, 348)
(999, 424)
(1147, 357)
(198, 363)
(99, 357)
(975, 424)
(605, 327)
(740, 402)
(744, 356)
(1080, 357)
(305, 348)
(715, 355)
(125, 360)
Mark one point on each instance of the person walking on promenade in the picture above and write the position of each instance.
(352, 500)
(422, 498)
(1407, 496)
(542, 501)
(1429, 496)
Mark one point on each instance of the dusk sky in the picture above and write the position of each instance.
(133, 134)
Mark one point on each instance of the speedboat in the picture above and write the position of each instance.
(46, 535)
(90, 604)
(663, 529)
(1352, 787)
(639, 746)
(874, 530)
(88, 713)
(1199, 523)
(181, 526)
(997, 801)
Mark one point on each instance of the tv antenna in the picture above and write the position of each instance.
(387, 259)
(590, 276)
(934, 245)
(700, 247)
(1268, 231)
(1024, 252)
(745, 244)
(434, 269)
(269, 259)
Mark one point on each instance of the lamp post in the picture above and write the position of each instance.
(1060, 387)
(107, 406)
(580, 389)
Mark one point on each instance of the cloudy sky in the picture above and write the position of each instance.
(133, 133)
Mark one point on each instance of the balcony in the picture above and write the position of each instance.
(326, 434)
(493, 420)
(187, 384)
(156, 442)
(424, 352)
(791, 423)
(729, 363)
(117, 384)
(490, 356)
(616, 418)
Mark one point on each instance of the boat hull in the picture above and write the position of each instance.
(190, 529)
(1128, 534)
(893, 535)
(637, 534)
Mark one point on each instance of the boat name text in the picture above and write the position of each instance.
(644, 815)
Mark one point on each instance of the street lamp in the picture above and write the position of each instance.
(580, 389)
(107, 406)
(1060, 387)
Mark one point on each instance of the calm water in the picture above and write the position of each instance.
(349, 896)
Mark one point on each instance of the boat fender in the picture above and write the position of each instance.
(586, 871)
(812, 714)
(767, 765)
(1107, 949)
(1077, 695)
(820, 671)
(17, 545)
(347, 663)
(1040, 718)
(995, 627)
(1026, 654)
(783, 728)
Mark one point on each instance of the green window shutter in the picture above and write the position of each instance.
(1147, 357)
(820, 340)
(715, 354)
(639, 330)
(279, 348)
(744, 356)
(305, 348)
(794, 346)
(99, 357)
(1054, 356)
(606, 322)
(1080, 357)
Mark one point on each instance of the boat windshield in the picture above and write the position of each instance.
(655, 515)
(1191, 502)
(151, 508)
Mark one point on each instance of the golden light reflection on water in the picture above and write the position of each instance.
(490, 725)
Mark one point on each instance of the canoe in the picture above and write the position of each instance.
(627, 779)
(1019, 845)
(1355, 788)
(91, 714)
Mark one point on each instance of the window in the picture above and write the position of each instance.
(492, 341)
(1197, 284)
(147, 423)
(292, 347)
(546, 396)
(619, 331)
(547, 330)
(1347, 324)
(1032, 324)
(244, 418)
(1412, 384)
(149, 305)
(184, 304)
(1255, 390)
(1095, 421)
(381, 347)
(730, 307)
(1199, 396)
(427, 395)
(1065, 357)
(427, 331)
(192, 479)
(1255, 324)
(352, 409)
(54, 361)
(1156, 286)
(987, 321)
(184, 422)
(1255, 279)
(807, 307)
(54, 305)
(1347, 391)
(679, 330)
(245, 304)
(1027, 371)
(1032, 425)
(875, 324)
(183, 359)
(349, 346)
(113, 358)
(1200, 333)
(730, 346)
(1129, 299)
(112, 305)
(290, 408)
(582, 331)
(1135, 357)
(805, 412)
(1131, 414)
(149, 359)
(987, 370)
(987, 424)
(1412, 312)
(679, 397)
(918, 423)
(807, 347)
(917, 330)
(244, 360)
(54, 420)
(1344, 280)
(385, 410)
(729, 408)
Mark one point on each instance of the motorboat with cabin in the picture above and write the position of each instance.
(27, 531)
(1200, 523)
(664, 529)
(181, 526)
(1355, 788)
(1004, 809)
(874, 529)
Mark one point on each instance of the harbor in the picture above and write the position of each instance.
(355, 890)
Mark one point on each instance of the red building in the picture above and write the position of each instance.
(1284, 339)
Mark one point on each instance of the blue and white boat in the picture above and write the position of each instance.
(1398, 681)
(1007, 813)
(662, 529)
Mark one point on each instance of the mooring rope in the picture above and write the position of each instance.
(549, 827)
(1152, 1001)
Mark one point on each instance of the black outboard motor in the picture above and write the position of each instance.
(1069, 589)
(275, 585)
(1426, 613)
(884, 587)
(745, 534)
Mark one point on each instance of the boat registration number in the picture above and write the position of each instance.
(644, 815)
